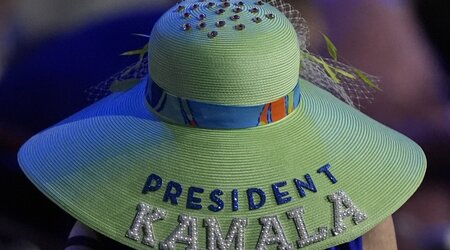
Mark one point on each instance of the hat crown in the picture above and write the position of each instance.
(225, 52)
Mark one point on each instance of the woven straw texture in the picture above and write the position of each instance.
(95, 164)
(252, 66)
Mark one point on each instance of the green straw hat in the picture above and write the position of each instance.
(224, 146)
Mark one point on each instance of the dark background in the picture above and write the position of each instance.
(52, 52)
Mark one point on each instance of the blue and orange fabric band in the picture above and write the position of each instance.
(199, 114)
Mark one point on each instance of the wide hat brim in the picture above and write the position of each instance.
(95, 164)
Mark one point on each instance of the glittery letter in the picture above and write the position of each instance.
(236, 234)
(235, 200)
(192, 201)
(214, 196)
(280, 196)
(251, 200)
(305, 238)
(272, 224)
(187, 225)
(144, 221)
(168, 195)
(344, 208)
(326, 169)
(300, 185)
(148, 187)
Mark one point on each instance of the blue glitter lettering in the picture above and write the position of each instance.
(280, 196)
(326, 169)
(300, 185)
(168, 195)
(235, 200)
(251, 200)
(192, 201)
(214, 196)
(148, 187)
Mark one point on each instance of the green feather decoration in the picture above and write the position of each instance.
(141, 52)
(366, 79)
(332, 50)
